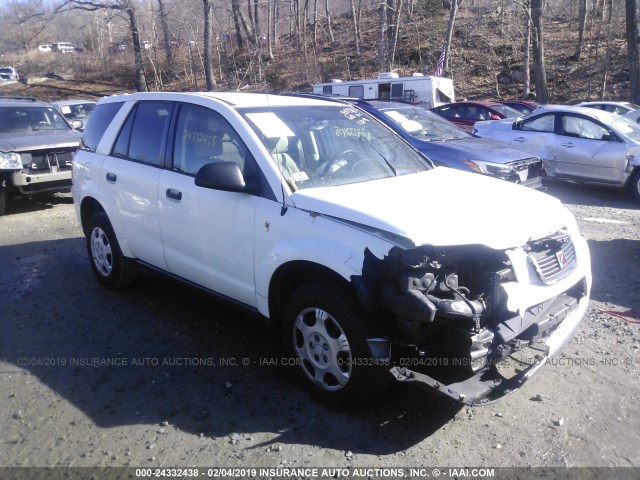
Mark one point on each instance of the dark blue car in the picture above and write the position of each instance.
(447, 145)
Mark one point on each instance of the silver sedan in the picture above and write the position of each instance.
(576, 144)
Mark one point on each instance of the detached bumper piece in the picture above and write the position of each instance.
(450, 329)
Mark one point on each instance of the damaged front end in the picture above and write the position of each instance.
(471, 322)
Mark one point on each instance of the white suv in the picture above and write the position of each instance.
(372, 263)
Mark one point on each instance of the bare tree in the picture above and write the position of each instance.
(582, 21)
(241, 26)
(454, 5)
(539, 69)
(382, 29)
(526, 60)
(208, 34)
(394, 7)
(165, 33)
(355, 16)
(607, 58)
(328, 15)
(26, 20)
(128, 8)
(633, 49)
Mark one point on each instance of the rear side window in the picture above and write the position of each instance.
(97, 123)
(143, 137)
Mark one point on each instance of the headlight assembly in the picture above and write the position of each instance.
(490, 168)
(10, 161)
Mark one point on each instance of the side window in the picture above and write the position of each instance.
(143, 136)
(204, 136)
(97, 123)
(543, 123)
(356, 91)
(121, 148)
(582, 128)
(149, 130)
(451, 112)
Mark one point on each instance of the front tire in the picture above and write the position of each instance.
(634, 185)
(325, 332)
(111, 267)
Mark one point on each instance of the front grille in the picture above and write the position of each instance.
(48, 161)
(553, 257)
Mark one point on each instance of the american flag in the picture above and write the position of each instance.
(440, 65)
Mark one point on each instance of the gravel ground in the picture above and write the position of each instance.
(188, 386)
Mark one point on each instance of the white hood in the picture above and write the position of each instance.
(443, 207)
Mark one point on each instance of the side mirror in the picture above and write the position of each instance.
(219, 175)
(77, 124)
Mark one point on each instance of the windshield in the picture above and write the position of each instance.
(626, 126)
(27, 119)
(77, 111)
(425, 125)
(506, 110)
(317, 146)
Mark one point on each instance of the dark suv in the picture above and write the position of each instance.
(36, 148)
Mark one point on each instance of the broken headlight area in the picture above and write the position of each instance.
(446, 316)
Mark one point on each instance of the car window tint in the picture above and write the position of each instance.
(450, 112)
(121, 148)
(98, 123)
(149, 130)
(543, 123)
(204, 136)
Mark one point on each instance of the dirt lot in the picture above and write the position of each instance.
(190, 388)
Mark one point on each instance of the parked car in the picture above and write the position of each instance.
(64, 47)
(576, 144)
(371, 263)
(619, 108)
(36, 148)
(525, 107)
(9, 73)
(447, 145)
(118, 47)
(466, 114)
(634, 115)
(45, 48)
(75, 110)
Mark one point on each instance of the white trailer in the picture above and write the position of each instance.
(418, 88)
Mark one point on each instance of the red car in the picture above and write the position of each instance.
(525, 107)
(466, 114)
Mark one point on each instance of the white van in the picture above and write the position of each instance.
(63, 47)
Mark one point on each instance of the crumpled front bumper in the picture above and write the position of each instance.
(490, 385)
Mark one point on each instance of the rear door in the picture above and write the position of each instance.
(131, 172)
(537, 136)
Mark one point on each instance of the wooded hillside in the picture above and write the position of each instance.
(287, 45)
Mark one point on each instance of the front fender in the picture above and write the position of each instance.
(337, 246)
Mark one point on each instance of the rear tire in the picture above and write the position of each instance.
(325, 332)
(111, 267)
